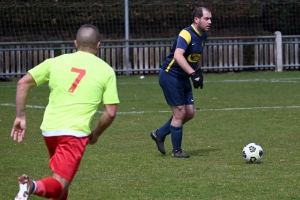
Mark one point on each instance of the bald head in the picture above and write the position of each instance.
(88, 36)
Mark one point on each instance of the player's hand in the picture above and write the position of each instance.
(199, 71)
(197, 79)
(19, 129)
(93, 137)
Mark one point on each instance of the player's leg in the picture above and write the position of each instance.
(164, 130)
(48, 187)
(166, 82)
(64, 197)
(190, 113)
(173, 89)
(53, 187)
(66, 160)
(189, 102)
(65, 156)
(176, 128)
(181, 114)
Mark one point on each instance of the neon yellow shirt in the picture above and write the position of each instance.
(78, 83)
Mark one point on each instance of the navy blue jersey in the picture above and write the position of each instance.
(193, 42)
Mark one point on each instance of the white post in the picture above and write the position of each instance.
(278, 51)
(127, 36)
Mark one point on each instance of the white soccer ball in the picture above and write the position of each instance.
(252, 152)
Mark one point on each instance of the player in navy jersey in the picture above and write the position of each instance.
(181, 64)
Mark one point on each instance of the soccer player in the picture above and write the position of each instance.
(78, 82)
(182, 63)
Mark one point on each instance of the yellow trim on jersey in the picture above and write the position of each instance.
(170, 65)
(186, 35)
(199, 33)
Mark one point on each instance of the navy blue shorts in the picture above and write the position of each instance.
(177, 91)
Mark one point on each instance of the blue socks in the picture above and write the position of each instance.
(176, 136)
(163, 131)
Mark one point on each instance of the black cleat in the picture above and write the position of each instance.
(159, 143)
(178, 153)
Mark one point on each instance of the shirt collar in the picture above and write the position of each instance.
(199, 33)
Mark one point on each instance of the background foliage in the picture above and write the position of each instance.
(36, 20)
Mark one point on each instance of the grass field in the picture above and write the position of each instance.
(232, 110)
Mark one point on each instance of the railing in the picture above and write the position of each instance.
(146, 55)
(291, 52)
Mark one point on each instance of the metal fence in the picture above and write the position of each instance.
(144, 56)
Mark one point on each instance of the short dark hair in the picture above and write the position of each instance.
(89, 26)
(198, 12)
(90, 39)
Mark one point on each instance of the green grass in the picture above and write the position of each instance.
(233, 110)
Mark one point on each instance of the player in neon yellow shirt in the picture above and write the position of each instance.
(78, 83)
(72, 77)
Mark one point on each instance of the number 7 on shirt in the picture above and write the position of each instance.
(81, 74)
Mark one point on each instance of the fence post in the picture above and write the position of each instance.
(278, 51)
(127, 35)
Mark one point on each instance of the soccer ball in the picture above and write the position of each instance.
(252, 152)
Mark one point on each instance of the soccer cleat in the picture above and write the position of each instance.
(26, 186)
(159, 143)
(178, 153)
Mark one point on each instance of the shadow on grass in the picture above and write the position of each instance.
(254, 163)
(202, 152)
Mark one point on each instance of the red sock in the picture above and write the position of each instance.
(65, 197)
(49, 188)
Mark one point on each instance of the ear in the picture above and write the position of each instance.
(98, 45)
(75, 43)
(196, 20)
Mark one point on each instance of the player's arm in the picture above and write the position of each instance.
(24, 84)
(196, 77)
(105, 121)
(183, 42)
(181, 61)
(23, 87)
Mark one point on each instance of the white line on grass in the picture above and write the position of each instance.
(283, 80)
(278, 80)
(166, 111)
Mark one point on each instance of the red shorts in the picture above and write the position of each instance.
(65, 154)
